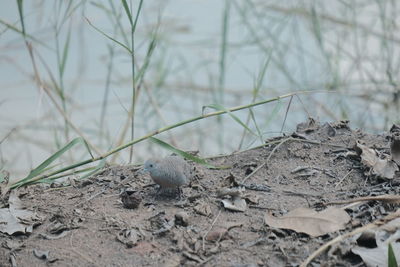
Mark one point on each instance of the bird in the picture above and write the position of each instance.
(169, 172)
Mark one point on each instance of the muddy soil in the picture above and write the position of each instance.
(88, 224)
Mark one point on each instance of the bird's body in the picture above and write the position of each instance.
(169, 172)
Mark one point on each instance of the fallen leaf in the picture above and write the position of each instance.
(391, 226)
(378, 256)
(384, 168)
(233, 192)
(311, 222)
(15, 219)
(235, 204)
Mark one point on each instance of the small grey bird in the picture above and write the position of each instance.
(169, 172)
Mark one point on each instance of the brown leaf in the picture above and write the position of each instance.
(235, 204)
(16, 219)
(311, 222)
(378, 255)
(384, 168)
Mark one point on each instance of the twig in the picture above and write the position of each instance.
(384, 198)
(344, 177)
(280, 143)
(372, 225)
(266, 161)
(95, 195)
(286, 113)
(212, 225)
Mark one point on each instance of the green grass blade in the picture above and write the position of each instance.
(73, 166)
(42, 167)
(21, 16)
(128, 12)
(15, 29)
(392, 262)
(221, 108)
(65, 53)
(259, 133)
(109, 37)
(181, 153)
(52, 178)
(274, 112)
(97, 169)
(150, 50)
(137, 15)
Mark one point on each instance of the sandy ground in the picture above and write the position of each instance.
(87, 224)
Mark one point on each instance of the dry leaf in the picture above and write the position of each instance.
(311, 222)
(384, 168)
(233, 192)
(235, 204)
(16, 219)
(378, 256)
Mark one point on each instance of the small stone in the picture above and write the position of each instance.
(131, 198)
(182, 218)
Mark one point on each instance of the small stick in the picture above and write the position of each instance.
(344, 177)
(269, 157)
(384, 198)
(372, 225)
(212, 225)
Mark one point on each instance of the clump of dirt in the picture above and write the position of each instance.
(116, 218)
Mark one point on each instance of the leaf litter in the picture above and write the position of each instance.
(16, 219)
(311, 222)
(225, 216)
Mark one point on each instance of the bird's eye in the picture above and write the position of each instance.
(151, 165)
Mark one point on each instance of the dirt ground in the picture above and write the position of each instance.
(87, 224)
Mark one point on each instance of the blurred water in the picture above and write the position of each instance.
(183, 75)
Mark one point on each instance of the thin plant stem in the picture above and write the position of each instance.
(161, 130)
(132, 113)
